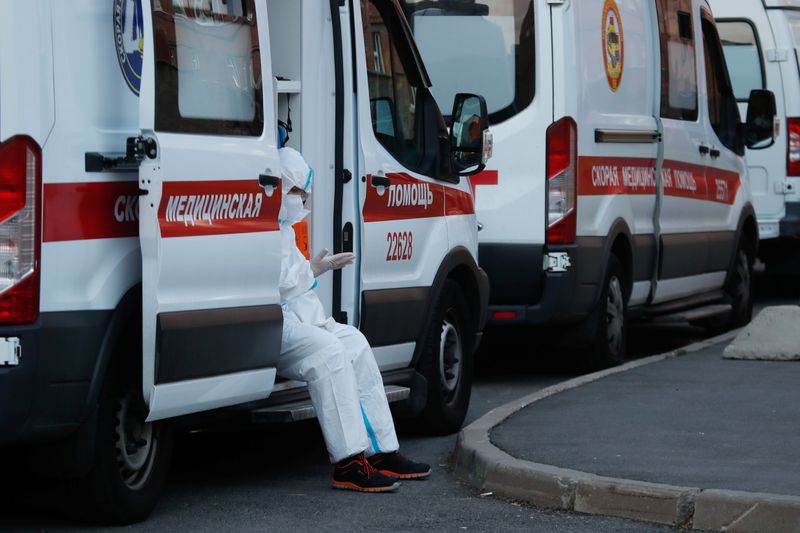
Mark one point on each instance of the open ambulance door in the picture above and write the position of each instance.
(209, 207)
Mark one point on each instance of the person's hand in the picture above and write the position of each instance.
(323, 262)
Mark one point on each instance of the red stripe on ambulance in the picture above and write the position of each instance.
(458, 202)
(410, 198)
(99, 210)
(599, 176)
(195, 208)
(406, 198)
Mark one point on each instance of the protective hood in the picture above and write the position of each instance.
(295, 172)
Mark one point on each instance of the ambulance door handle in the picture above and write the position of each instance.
(269, 181)
(380, 181)
(704, 149)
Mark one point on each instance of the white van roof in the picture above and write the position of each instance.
(782, 3)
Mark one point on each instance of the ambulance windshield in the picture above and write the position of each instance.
(478, 46)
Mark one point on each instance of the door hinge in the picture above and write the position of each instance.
(557, 262)
(776, 55)
(141, 147)
(346, 176)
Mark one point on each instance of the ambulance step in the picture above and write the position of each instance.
(692, 315)
(303, 410)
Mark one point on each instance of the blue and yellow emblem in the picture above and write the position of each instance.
(129, 40)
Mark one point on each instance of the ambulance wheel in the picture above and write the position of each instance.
(446, 364)
(610, 343)
(739, 290)
(739, 293)
(131, 456)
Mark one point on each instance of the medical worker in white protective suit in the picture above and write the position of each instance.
(335, 360)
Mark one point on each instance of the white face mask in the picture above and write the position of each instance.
(292, 210)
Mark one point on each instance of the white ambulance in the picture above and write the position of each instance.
(139, 195)
(761, 39)
(618, 187)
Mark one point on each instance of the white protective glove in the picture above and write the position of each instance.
(323, 262)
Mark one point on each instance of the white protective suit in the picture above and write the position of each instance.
(335, 359)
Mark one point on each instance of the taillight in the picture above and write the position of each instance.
(20, 182)
(793, 148)
(562, 167)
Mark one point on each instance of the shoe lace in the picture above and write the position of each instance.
(366, 467)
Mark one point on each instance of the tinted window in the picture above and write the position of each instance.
(392, 92)
(722, 109)
(483, 47)
(678, 59)
(208, 68)
(743, 57)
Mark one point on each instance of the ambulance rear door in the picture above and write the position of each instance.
(209, 206)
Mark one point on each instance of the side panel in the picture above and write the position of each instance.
(612, 100)
(27, 104)
(90, 256)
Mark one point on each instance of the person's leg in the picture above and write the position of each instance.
(384, 449)
(313, 355)
(372, 395)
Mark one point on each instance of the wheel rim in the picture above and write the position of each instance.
(450, 357)
(136, 442)
(615, 316)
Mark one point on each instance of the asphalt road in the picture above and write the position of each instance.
(276, 479)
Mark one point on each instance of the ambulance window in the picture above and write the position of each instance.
(743, 56)
(678, 60)
(483, 47)
(722, 109)
(208, 68)
(392, 80)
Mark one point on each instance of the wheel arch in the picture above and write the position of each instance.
(619, 242)
(126, 315)
(460, 266)
(74, 456)
(747, 233)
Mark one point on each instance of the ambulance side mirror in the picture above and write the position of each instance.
(760, 128)
(470, 138)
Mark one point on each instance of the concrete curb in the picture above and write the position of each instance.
(490, 469)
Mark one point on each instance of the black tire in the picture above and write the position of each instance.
(739, 290)
(447, 363)
(131, 457)
(609, 347)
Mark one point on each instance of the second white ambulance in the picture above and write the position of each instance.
(618, 187)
